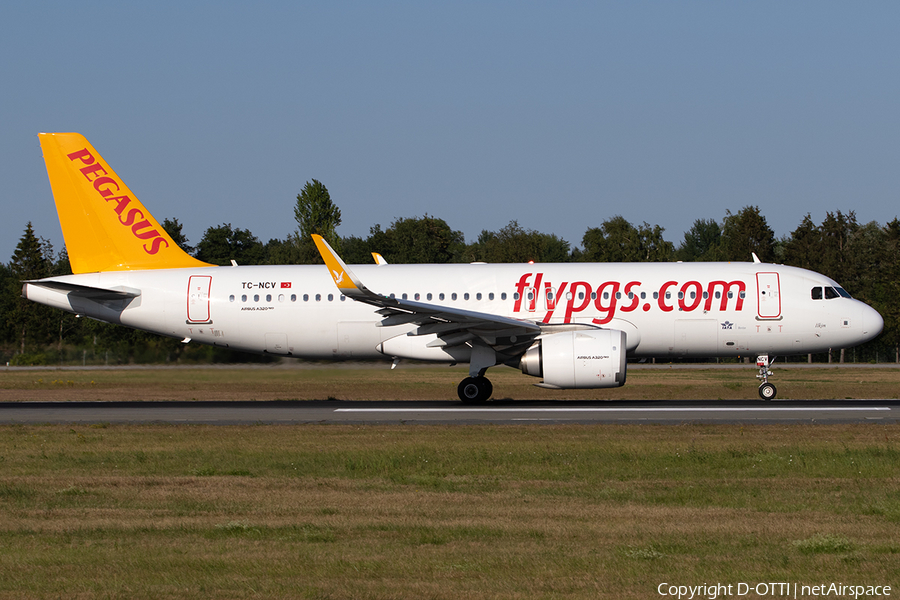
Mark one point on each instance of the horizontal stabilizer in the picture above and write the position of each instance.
(83, 291)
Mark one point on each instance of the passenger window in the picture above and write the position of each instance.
(503, 295)
(231, 298)
(490, 295)
(293, 297)
(268, 297)
(306, 297)
(817, 293)
(466, 296)
(441, 296)
(256, 297)
(453, 296)
(428, 296)
(244, 298)
(318, 297)
(478, 296)
(330, 297)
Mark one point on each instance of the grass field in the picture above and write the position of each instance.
(333, 511)
(351, 381)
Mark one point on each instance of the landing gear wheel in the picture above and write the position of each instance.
(767, 391)
(475, 390)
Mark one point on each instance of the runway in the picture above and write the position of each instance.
(411, 412)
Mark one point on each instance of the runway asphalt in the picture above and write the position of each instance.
(411, 412)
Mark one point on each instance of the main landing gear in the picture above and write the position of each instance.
(767, 391)
(475, 390)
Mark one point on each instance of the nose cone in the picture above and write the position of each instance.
(872, 322)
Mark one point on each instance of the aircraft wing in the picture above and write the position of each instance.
(453, 326)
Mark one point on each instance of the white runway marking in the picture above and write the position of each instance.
(611, 409)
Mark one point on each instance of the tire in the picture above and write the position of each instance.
(767, 391)
(474, 390)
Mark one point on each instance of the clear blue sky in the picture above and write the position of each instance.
(559, 115)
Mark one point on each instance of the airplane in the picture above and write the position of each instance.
(573, 324)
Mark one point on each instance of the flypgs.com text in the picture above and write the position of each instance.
(577, 296)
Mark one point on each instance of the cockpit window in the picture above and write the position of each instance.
(843, 293)
(831, 293)
(817, 293)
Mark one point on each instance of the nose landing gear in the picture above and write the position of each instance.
(767, 391)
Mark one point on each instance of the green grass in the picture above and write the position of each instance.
(347, 381)
(442, 512)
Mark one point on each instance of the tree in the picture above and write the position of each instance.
(702, 242)
(513, 243)
(32, 259)
(617, 240)
(416, 240)
(316, 213)
(745, 233)
(804, 248)
(173, 228)
(220, 245)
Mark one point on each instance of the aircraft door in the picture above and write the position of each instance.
(198, 299)
(769, 295)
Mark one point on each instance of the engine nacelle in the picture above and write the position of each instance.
(578, 359)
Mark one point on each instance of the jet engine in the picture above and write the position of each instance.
(593, 358)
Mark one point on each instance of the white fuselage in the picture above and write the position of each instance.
(665, 309)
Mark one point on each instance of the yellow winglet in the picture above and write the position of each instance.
(379, 259)
(105, 226)
(343, 277)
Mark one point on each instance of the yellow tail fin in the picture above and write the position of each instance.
(105, 226)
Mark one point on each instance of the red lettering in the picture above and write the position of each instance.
(121, 203)
(532, 303)
(552, 300)
(94, 169)
(135, 229)
(698, 296)
(570, 306)
(610, 309)
(662, 295)
(634, 297)
(106, 181)
(154, 245)
(520, 291)
(132, 215)
(83, 155)
(726, 287)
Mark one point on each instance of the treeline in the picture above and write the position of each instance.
(864, 258)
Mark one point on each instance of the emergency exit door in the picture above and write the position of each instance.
(198, 298)
(769, 293)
